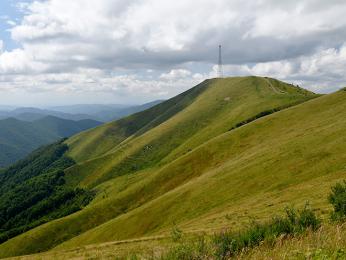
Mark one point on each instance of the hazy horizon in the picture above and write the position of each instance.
(4, 107)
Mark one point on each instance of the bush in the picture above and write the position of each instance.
(338, 199)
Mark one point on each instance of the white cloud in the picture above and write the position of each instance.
(176, 74)
(11, 22)
(19, 61)
(299, 19)
(130, 47)
(321, 72)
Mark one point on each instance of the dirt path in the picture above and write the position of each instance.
(275, 89)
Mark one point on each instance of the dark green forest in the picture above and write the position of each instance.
(33, 191)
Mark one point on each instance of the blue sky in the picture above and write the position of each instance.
(129, 51)
(8, 12)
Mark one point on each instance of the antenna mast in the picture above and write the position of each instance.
(219, 67)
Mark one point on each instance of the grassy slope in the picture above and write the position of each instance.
(94, 143)
(190, 119)
(219, 175)
(281, 159)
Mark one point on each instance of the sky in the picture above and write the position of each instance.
(57, 52)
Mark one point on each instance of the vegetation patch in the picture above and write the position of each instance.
(230, 244)
(33, 191)
(262, 114)
(338, 199)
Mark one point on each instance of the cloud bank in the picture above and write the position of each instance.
(140, 50)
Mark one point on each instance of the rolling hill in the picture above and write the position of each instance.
(218, 155)
(19, 138)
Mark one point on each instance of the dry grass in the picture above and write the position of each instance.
(149, 247)
(329, 242)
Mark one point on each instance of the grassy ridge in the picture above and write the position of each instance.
(193, 159)
(91, 144)
(215, 105)
(274, 161)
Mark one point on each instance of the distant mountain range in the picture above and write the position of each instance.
(18, 138)
(98, 112)
(88, 108)
(24, 129)
(6, 108)
(114, 113)
(31, 114)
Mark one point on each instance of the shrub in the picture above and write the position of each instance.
(338, 199)
(299, 221)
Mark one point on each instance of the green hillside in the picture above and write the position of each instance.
(215, 156)
(19, 138)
